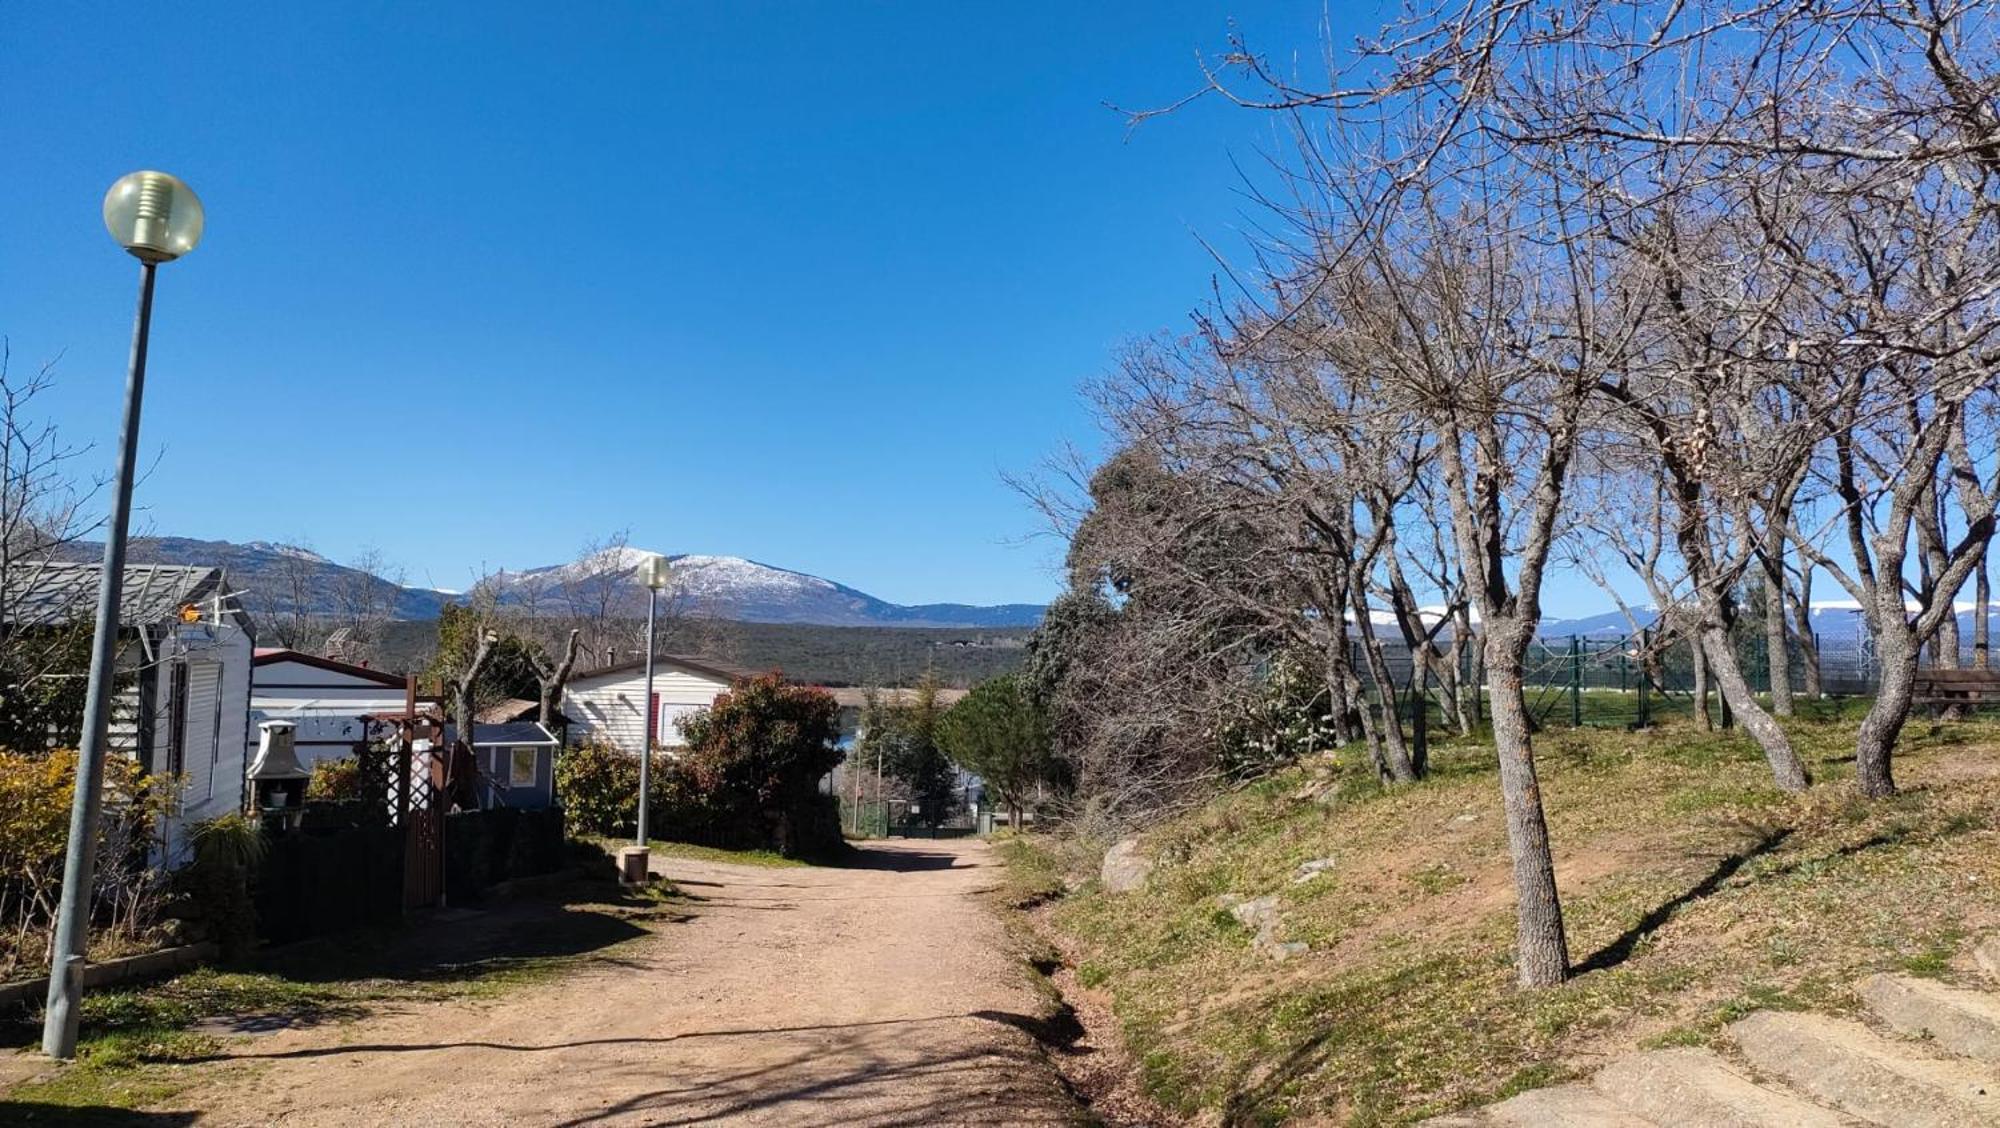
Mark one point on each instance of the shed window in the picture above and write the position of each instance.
(521, 767)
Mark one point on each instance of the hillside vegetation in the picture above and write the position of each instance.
(810, 654)
(1695, 892)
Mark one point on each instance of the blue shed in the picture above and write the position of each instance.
(516, 764)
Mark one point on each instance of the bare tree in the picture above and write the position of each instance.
(44, 521)
(364, 601)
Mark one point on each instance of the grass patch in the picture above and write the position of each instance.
(1695, 892)
(767, 858)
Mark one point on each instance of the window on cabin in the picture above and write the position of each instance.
(521, 767)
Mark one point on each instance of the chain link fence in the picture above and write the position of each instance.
(1630, 680)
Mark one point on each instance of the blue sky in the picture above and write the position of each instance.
(790, 281)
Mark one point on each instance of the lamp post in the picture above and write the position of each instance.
(157, 219)
(656, 574)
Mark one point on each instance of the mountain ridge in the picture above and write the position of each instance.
(273, 575)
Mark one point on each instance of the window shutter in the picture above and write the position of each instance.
(659, 723)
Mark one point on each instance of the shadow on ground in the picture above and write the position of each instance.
(34, 1112)
(906, 860)
(458, 944)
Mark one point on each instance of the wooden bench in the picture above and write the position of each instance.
(1957, 687)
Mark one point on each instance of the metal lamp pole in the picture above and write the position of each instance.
(158, 219)
(656, 575)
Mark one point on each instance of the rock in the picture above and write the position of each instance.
(1964, 1022)
(1846, 1065)
(1987, 956)
(1564, 1106)
(1259, 915)
(1696, 1089)
(1125, 869)
(1309, 870)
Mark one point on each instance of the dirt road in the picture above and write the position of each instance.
(871, 995)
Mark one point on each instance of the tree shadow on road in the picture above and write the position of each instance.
(866, 857)
(73, 1116)
(458, 945)
(853, 1083)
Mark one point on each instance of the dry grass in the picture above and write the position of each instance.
(1695, 892)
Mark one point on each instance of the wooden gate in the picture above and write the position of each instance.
(422, 819)
(403, 762)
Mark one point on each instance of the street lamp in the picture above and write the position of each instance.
(656, 574)
(158, 219)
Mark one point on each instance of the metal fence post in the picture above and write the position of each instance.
(1645, 647)
(1419, 722)
(1575, 683)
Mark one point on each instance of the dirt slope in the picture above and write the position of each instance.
(857, 996)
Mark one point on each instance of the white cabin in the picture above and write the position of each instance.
(184, 656)
(326, 698)
(608, 704)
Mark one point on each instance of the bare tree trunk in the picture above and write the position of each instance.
(1897, 649)
(1396, 753)
(1786, 770)
(465, 706)
(1475, 654)
(1777, 647)
(1542, 958)
(1373, 738)
(553, 681)
(1452, 688)
(1801, 608)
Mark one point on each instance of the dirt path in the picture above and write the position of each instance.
(871, 995)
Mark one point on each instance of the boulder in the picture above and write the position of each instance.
(1259, 914)
(1125, 869)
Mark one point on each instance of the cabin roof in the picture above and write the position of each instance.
(268, 656)
(54, 593)
(708, 667)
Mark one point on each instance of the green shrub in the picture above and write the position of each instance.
(226, 851)
(598, 787)
(751, 772)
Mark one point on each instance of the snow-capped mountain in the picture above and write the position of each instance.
(731, 587)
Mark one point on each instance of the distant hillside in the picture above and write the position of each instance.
(805, 652)
(269, 574)
(274, 576)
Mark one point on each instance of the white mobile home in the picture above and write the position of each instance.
(184, 657)
(326, 698)
(609, 704)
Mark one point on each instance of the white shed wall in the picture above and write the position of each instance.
(612, 707)
(326, 705)
(212, 733)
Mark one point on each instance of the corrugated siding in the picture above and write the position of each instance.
(298, 673)
(613, 708)
(327, 706)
